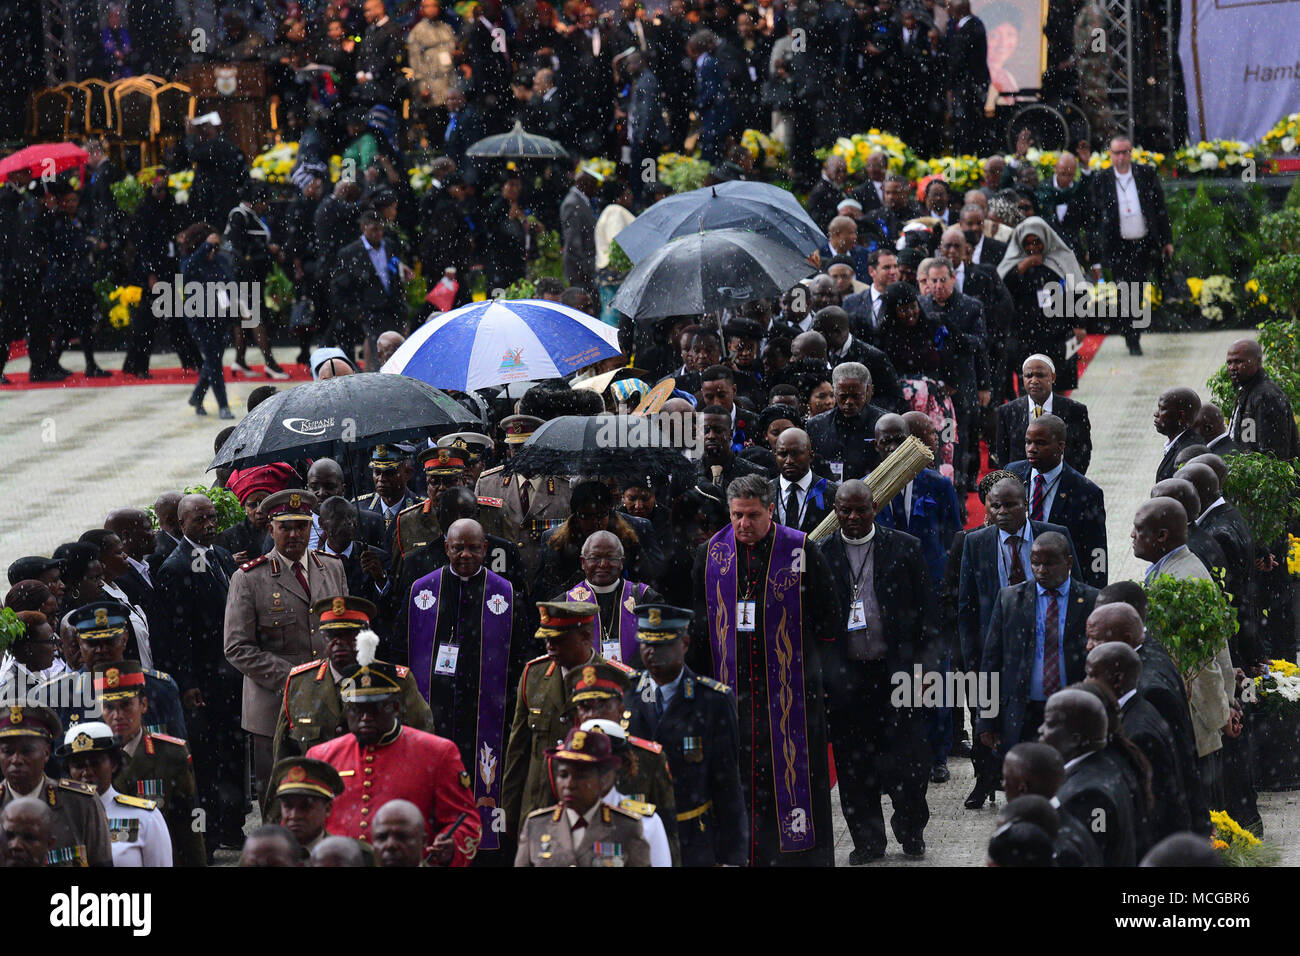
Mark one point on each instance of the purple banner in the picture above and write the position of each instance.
(783, 656)
(494, 661)
(628, 648)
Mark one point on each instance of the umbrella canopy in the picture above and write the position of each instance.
(517, 144)
(708, 271)
(501, 341)
(619, 446)
(351, 411)
(767, 210)
(44, 158)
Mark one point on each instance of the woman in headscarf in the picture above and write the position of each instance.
(772, 421)
(924, 353)
(1041, 273)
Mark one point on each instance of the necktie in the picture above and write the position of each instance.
(1040, 493)
(301, 575)
(899, 507)
(792, 507)
(1052, 645)
(524, 502)
(1017, 573)
(875, 313)
(215, 565)
(451, 127)
(1038, 410)
(659, 701)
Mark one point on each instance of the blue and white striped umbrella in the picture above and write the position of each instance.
(501, 341)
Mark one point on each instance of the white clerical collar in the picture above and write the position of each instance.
(1126, 698)
(802, 484)
(859, 541)
(604, 588)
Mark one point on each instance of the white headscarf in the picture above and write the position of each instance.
(1056, 254)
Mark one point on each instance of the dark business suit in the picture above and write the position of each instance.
(1009, 650)
(1161, 685)
(1224, 445)
(880, 748)
(886, 390)
(713, 107)
(1145, 727)
(1080, 506)
(195, 657)
(1129, 260)
(1013, 422)
(1096, 794)
(359, 297)
(1229, 529)
(817, 502)
(934, 519)
(1167, 467)
(991, 252)
(968, 79)
(1073, 845)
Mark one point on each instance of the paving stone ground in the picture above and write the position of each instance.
(69, 456)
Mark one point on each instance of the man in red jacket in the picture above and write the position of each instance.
(382, 760)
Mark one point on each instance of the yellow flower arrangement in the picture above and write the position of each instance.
(601, 165)
(179, 184)
(1285, 668)
(763, 148)
(124, 298)
(1283, 137)
(856, 148)
(274, 165)
(1145, 157)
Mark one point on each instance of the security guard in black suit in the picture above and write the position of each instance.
(694, 719)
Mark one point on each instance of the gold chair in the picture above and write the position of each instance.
(99, 106)
(174, 104)
(77, 100)
(137, 119)
(49, 115)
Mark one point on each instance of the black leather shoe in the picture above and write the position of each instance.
(977, 797)
(1134, 349)
(939, 773)
(860, 857)
(94, 371)
(914, 849)
(960, 749)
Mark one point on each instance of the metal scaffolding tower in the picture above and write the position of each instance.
(1120, 62)
(59, 40)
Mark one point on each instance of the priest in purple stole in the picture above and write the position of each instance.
(467, 635)
(603, 584)
(764, 604)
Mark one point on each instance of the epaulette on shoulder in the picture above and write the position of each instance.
(76, 786)
(638, 807)
(537, 660)
(418, 504)
(167, 739)
(631, 814)
(712, 684)
(159, 675)
(542, 812)
(402, 670)
(301, 668)
(249, 565)
(492, 471)
(326, 554)
(644, 744)
(126, 800)
(489, 502)
(619, 665)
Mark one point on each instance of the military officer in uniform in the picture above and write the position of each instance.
(157, 767)
(137, 832)
(390, 470)
(268, 628)
(302, 794)
(543, 712)
(381, 760)
(473, 447)
(80, 828)
(694, 719)
(313, 711)
(528, 507)
(583, 830)
(418, 524)
(652, 821)
(103, 628)
(596, 693)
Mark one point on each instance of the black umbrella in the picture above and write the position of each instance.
(349, 412)
(708, 271)
(517, 144)
(619, 446)
(768, 210)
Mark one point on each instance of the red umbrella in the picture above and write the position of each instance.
(44, 159)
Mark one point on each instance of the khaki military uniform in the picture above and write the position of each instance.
(613, 838)
(548, 507)
(416, 527)
(313, 711)
(163, 771)
(268, 628)
(80, 828)
(543, 717)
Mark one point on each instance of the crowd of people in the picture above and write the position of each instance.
(450, 663)
(443, 662)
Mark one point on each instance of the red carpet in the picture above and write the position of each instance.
(974, 508)
(160, 376)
